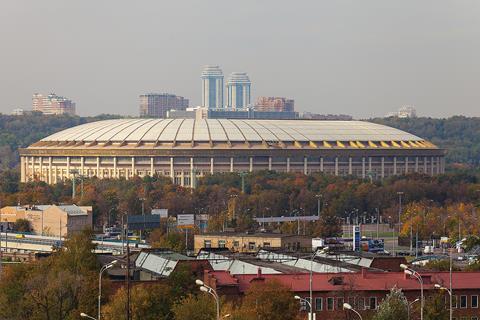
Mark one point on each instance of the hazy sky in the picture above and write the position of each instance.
(358, 57)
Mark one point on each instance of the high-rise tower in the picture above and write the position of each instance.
(238, 90)
(212, 87)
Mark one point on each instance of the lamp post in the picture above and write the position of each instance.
(400, 194)
(102, 270)
(310, 317)
(319, 198)
(409, 306)
(416, 275)
(212, 292)
(347, 306)
(440, 287)
(84, 315)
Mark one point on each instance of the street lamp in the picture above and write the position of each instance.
(347, 306)
(311, 316)
(416, 275)
(439, 287)
(400, 193)
(84, 315)
(324, 250)
(212, 292)
(319, 197)
(102, 270)
(409, 306)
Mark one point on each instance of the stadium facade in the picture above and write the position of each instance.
(185, 148)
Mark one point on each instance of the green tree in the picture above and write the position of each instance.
(147, 302)
(393, 307)
(191, 307)
(22, 225)
(435, 308)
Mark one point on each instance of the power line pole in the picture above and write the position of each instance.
(128, 275)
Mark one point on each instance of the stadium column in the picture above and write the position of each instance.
(114, 167)
(394, 165)
(98, 168)
(370, 164)
(406, 165)
(336, 166)
(151, 167)
(350, 171)
(432, 168)
(41, 168)
(68, 167)
(383, 167)
(82, 166)
(172, 174)
(416, 164)
(425, 160)
(49, 170)
(288, 164)
(182, 178)
(33, 167)
(251, 164)
(192, 173)
(133, 167)
(22, 169)
(363, 168)
(231, 164)
(270, 163)
(305, 165)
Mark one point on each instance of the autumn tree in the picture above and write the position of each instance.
(195, 307)
(393, 307)
(435, 308)
(147, 302)
(265, 299)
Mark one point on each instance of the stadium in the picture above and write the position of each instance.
(185, 148)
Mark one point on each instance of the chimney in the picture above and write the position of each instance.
(259, 272)
(364, 273)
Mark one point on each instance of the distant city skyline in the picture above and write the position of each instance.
(360, 58)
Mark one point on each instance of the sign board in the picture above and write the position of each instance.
(185, 220)
(163, 213)
(356, 238)
(143, 222)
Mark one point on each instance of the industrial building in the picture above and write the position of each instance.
(185, 148)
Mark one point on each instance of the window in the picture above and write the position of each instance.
(236, 244)
(251, 245)
(474, 302)
(361, 303)
(221, 243)
(372, 303)
(266, 244)
(207, 244)
(330, 304)
(463, 302)
(339, 303)
(318, 304)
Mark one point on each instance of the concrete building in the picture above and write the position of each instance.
(212, 87)
(276, 104)
(52, 104)
(238, 90)
(244, 242)
(156, 105)
(185, 149)
(404, 112)
(50, 220)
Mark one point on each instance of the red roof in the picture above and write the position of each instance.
(368, 281)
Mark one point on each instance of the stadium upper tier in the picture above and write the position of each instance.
(227, 133)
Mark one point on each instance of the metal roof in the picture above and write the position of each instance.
(357, 134)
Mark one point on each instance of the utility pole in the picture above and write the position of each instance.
(128, 276)
(400, 193)
(242, 175)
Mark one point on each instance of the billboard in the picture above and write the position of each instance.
(163, 213)
(356, 238)
(185, 221)
(143, 222)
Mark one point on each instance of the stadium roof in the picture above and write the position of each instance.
(269, 133)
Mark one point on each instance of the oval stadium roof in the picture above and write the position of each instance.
(229, 130)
